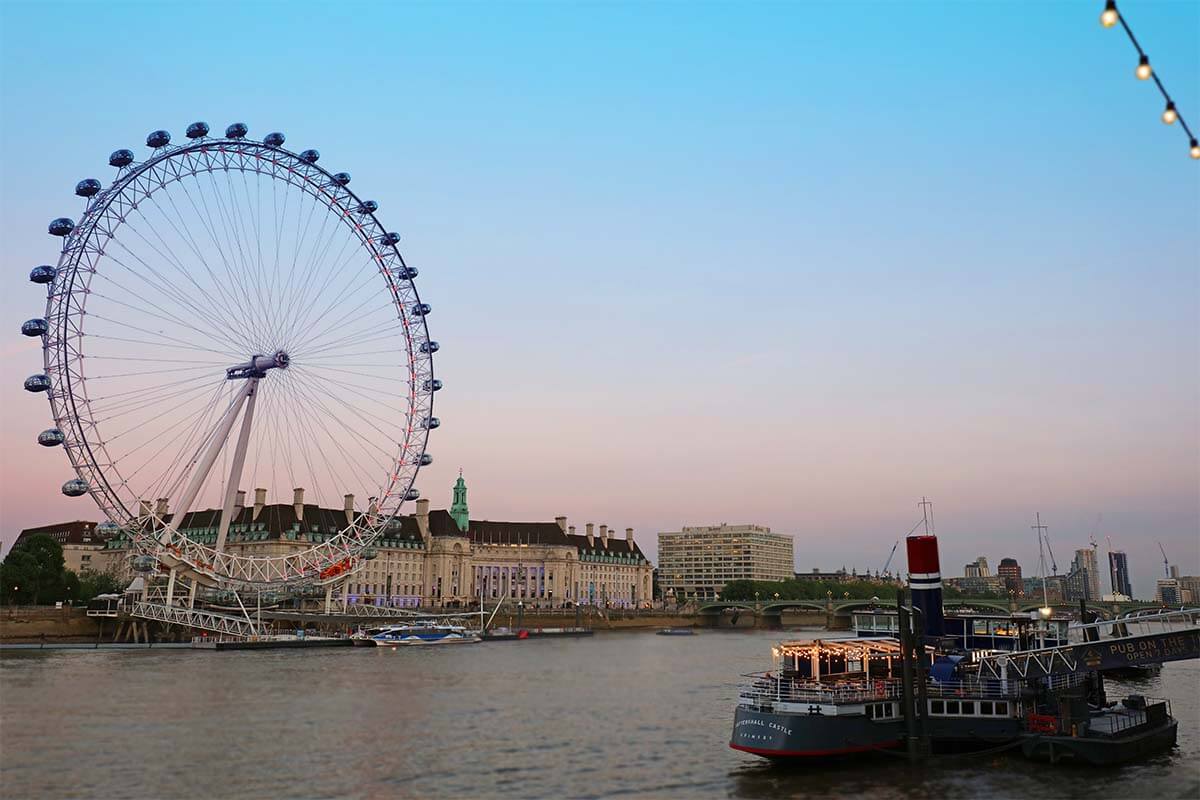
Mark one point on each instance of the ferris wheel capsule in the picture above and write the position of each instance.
(430, 347)
(35, 327)
(275, 139)
(75, 487)
(120, 158)
(421, 309)
(423, 460)
(87, 187)
(341, 178)
(430, 423)
(37, 383)
(158, 139)
(412, 494)
(144, 563)
(389, 238)
(237, 130)
(406, 273)
(197, 130)
(370, 554)
(51, 437)
(368, 207)
(43, 274)
(432, 385)
(61, 226)
(108, 528)
(310, 156)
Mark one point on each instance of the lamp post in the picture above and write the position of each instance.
(520, 614)
(756, 602)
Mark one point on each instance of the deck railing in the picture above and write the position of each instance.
(768, 687)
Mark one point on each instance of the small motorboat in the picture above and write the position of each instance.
(675, 632)
(422, 632)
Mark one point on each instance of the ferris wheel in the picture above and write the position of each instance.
(228, 315)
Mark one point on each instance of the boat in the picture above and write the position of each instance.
(987, 682)
(675, 632)
(419, 633)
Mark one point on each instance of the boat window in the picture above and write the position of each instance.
(870, 711)
(985, 707)
(979, 627)
(968, 707)
(951, 706)
(1002, 708)
(937, 707)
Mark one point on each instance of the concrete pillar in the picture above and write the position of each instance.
(171, 588)
(328, 597)
(192, 593)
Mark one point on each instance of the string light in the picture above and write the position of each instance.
(1144, 72)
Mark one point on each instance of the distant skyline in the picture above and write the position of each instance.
(794, 264)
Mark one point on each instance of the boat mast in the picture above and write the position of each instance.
(1041, 530)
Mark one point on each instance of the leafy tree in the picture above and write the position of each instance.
(33, 572)
(94, 583)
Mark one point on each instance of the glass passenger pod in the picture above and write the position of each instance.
(370, 554)
(108, 528)
(412, 494)
(87, 187)
(144, 563)
(35, 327)
(428, 424)
(274, 139)
(44, 273)
(120, 158)
(61, 226)
(432, 385)
(420, 309)
(310, 156)
(406, 273)
(237, 130)
(430, 347)
(368, 207)
(158, 139)
(424, 460)
(341, 178)
(51, 437)
(37, 383)
(75, 487)
(389, 238)
(197, 130)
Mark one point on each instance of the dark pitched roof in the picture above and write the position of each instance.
(276, 520)
(486, 531)
(76, 532)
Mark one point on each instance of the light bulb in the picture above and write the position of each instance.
(1195, 149)
(1143, 69)
(1109, 17)
(1170, 115)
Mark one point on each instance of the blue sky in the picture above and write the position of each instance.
(794, 264)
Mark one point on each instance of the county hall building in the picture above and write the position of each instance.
(439, 558)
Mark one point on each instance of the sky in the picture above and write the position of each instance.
(792, 264)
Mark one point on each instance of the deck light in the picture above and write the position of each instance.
(1109, 16)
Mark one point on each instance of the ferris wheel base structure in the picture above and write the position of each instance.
(240, 311)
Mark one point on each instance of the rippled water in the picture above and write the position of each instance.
(615, 715)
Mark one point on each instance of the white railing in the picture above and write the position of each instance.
(238, 627)
(1138, 623)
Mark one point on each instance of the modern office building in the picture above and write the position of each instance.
(1167, 592)
(699, 561)
(1010, 573)
(977, 568)
(1118, 571)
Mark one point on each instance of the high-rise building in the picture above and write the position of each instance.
(1010, 572)
(699, 561)
(977, 568)
(1118, 571)
(1085, 561)
(1189, 588)
(1078, 585)
(1167, 592)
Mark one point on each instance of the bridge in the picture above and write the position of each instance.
(770, 611)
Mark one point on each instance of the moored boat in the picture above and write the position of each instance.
(418, 633)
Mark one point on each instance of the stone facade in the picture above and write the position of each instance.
(440, 558)
(82, 544)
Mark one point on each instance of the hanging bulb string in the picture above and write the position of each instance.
(1170, 104)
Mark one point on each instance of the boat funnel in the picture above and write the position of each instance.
(925, 582)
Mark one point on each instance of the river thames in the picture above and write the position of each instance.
(614, 715)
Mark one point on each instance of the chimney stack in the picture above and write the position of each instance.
(562, 523)
(260, 500)
(348, 507)
(604, 536)
(571, 530)
(629, 538)
(298, 503)
(143, 508)
(160, 507)
(240, 502)
(591, 542)
(423, 517)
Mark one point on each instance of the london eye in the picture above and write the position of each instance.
(225, 315)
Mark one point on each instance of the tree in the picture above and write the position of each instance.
(94, 583)
(32, 572)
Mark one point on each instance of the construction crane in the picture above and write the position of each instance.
(1166, 564)
(891, 555)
